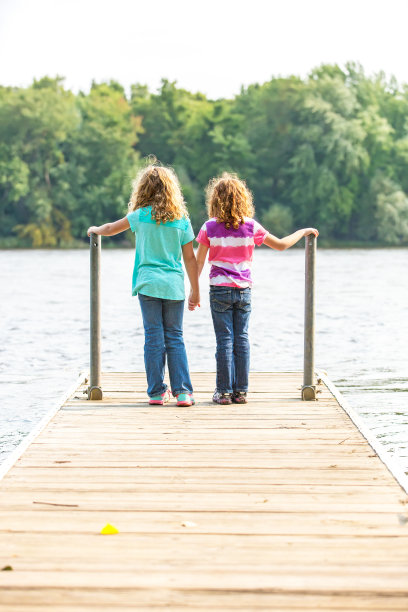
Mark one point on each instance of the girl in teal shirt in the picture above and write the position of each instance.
(158, 217)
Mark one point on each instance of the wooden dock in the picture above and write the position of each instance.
(275, 505)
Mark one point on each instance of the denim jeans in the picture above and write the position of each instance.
(230, 310)
(163, 326)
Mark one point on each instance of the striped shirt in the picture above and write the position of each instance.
(231, 250)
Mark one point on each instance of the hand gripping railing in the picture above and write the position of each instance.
(95, 389)
(309, 387)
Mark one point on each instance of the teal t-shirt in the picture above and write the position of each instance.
(158, 271)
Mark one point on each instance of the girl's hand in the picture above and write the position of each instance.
(310, 230)
(193, 300)
(110, 229)
(92, 230)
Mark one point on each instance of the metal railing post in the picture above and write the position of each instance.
(309, 387)
(95, 389)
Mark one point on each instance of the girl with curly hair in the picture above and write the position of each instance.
(159, 218)
(229, 237)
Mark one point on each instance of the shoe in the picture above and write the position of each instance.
(239, 397)
(222, 398)
(185, 399)
(159, 400)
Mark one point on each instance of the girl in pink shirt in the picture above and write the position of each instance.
(229, 238)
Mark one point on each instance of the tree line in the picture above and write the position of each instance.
(330, 150)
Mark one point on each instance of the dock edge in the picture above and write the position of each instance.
(15, 454)
(380, 450)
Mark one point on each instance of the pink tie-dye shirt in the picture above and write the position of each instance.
(231, 250)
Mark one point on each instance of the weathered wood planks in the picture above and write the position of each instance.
(275, 505)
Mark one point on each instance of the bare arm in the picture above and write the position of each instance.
(192, 272)
(201, 257)
(280, 244)
(110, 229)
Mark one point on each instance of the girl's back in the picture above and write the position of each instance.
(231, 250)
(158, 270)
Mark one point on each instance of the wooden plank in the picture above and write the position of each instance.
(178, 600)
(319, 578)
(276, 548)
(132, 520)
(194, 455)
(150, 472)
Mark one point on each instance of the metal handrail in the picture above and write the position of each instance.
(95, 389)
(309, 386)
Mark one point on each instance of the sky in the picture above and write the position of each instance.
(212, 46)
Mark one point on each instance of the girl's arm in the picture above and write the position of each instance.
(201, 257)
(110, 229)
(280, 244)
(192, 272)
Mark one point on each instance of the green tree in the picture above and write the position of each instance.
(278, 220)
(330, 150)
(103, 160)
(34, 125)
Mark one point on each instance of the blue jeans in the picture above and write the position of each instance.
(163, 326)
(230, 310)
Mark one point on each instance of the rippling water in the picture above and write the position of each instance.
(361, 323)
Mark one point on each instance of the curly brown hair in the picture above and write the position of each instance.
(229, 200)
(158, 187)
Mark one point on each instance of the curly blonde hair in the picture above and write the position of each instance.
(158, 187)
(229, 200)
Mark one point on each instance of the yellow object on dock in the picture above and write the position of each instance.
(109, 529)
(276, 505)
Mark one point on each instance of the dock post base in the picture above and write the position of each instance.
(95, 393)
(309, 393)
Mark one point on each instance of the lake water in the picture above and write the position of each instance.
(361, 324)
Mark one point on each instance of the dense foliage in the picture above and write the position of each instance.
(329, 151)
